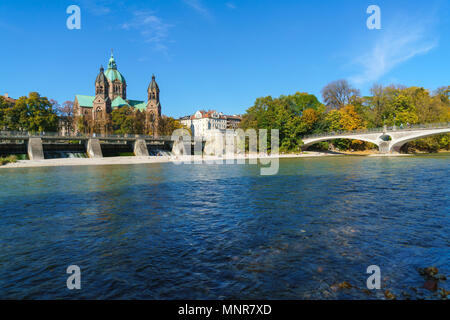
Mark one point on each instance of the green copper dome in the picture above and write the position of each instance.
(112, 73)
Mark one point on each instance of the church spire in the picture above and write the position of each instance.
(101, 76)
(101, 84)
(153, 87)
(112, 63)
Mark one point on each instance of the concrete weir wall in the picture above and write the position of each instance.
(93, 148)
(35, 149)
(140, 148)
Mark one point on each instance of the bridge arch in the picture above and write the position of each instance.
(400, 142)
(312, 141)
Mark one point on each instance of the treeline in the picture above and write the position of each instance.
(344, 109)
(39, 114)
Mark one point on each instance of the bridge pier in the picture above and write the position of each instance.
(93, 148)
(395, 149)
(35, 149)
(383, 147)
(140, 148)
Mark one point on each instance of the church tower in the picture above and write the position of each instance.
(116, 81)
(153, 105)
(153, 108)
(101, 84)
(101, 104)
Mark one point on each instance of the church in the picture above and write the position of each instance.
(111, 93)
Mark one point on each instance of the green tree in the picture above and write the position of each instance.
(33, 113)
(4, 107)
(82, 124)
(124, 120)
(404, 111)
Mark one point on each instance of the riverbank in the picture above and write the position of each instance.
(162, 159)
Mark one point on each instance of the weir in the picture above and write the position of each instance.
(35, 149)
(93, 148)
(51, 145)
(140, 148)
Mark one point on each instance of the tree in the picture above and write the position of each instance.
(350, 119)
(338, 94)
(286, 114)
(127, 120)
(299, 102)
(377, 105)
(33, 113)
(444, 94)
(4, 107)
(66, 115)
(139, 122)
(404, 111)
(82, 124)
(122, 120)
(309, 118)
(166, 125)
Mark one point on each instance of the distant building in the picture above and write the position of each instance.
(233, 121)
(204, 122)
(9, 99)
(111, 93)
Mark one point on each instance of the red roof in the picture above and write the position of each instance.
(7, 98)
(208, 114)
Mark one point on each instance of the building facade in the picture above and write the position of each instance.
(111, 93)
(202, 123)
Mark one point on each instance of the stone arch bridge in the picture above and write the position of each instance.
(388, 140)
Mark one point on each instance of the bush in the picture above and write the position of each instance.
(9, 159)
(320, 146)
(428, 145)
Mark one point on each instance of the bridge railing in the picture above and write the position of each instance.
(56, 135)
(413, 127)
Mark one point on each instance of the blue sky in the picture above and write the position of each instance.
(221, 54)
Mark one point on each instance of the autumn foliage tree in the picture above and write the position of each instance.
(167, 125)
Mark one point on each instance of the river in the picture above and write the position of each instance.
(166, 231)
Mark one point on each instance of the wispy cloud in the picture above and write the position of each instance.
(98, 8)
(199, 7)
(230, 5)
(151, 27)
(395, 45)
